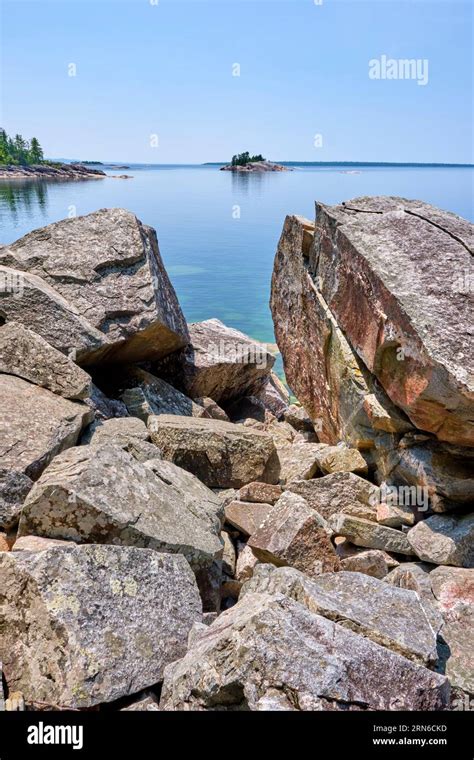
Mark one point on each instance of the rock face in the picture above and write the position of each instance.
(85, 260)
(35, 425)
(270, 648)
(220, 454)
(66, 656)
(220, 363)
(294, 534)
(100, 494)
(379, 268)
(444, 540)
(27, 355)
(386, 614)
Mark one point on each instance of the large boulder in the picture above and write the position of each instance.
(387, 269)
(25, 354)
(339, 492)
(36, 425)
(144, 394)
(321, 368)
(271, 650)
(391, 616)
(221, 454)
(369, 534)
(294, 534)
(87, 259)
(100, 494)
(220, 362)
(246, 516)
(444, 540)
(83, 625)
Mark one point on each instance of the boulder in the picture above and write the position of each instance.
(220, 454)
(339, 492)
(213, 410)
(87, 259)
(144, 394)
(220, 362)
(14, 487)
(119, 430)
(370, 535)
(390, 616)
(452, 586)
(271, 645)
(264, 493)
(100, 494)
(296, 416)
(378, 265)
(274, 395)
(395, 515)
(457, 636)
(105, 408)
(416, 577)
(341, 459)
(321, 368)
(28, 300)
(103, 622)
(145, 702)
(444, 540)
(246, 562)
(36, 425)
(247, 516)
(299, 461)
(294, 534)
(25, 354)
(37, 543)
(371, 562)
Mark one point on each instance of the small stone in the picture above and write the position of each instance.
(395, 515)
(263, 493)
(213, 409)
(246, 562)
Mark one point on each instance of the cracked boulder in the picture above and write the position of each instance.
(340, 492)
(88, 259)
(220, 454)
(271, 650)
(444, 540)
(83, 625)
(370, 535)
(36, 425)
(100, 494)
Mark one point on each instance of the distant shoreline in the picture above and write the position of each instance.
(356, 163)
(71, 172)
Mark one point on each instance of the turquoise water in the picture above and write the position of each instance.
(218, 231)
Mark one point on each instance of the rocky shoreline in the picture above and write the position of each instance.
(177, 534)
(46, 171)
(256, 166)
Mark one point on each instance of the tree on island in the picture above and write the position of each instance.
(18, 151)
(241, 159)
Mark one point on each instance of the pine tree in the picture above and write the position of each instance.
(35, 154)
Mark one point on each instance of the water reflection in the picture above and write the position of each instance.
(19, 196)
(242, 182)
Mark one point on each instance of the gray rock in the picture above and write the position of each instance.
(221, 363)
(341, 459)
(247, 516)
(220, 454)
(459, 641)
(339, 492)
(37, 544)
(87, 259)
(444, 540)
(14, 487)
(105, 408)
(263, 493)
(246, 563)
(299, 461)
(2, 693)
(100, 494)
(104, 621)
(390, 616)
(370, 535)
(146, 394)
(118, 430)
(213, 410)
(274, 395)
(145, 702)
(452, 586)
(371, 562)
(395, 515)
(267, 643)
(25, 354)
(416, 577)
(36, 425)
(294, 534)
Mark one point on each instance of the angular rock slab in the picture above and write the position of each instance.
(389, 270)
(14, 487)
(263, 493)
(100, 494)
(300, 461)
(144, 394)
(390, 616)
(321, 368)
(108, 266)
(267, 644)
(220, 454)
(339, 492)
(444, 540)
(294, 534)
(370, 535)
(25, 354)
(372, 562)
(103, 621)
(220, 362)
(119, 430)
(35, 425)
(247, 516)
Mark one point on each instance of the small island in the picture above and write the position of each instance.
(24, 159)
(244, 162)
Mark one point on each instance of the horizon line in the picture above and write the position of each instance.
(283, 162)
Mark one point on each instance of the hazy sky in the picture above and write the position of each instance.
(166, 69)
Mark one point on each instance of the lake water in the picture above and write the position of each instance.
(221, 264)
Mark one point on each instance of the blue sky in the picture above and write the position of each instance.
(166, 70)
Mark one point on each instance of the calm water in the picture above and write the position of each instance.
(221, 265)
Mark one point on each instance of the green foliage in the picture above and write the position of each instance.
(18, 151)
(242, 159)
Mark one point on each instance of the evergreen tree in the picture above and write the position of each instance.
(35, 154)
